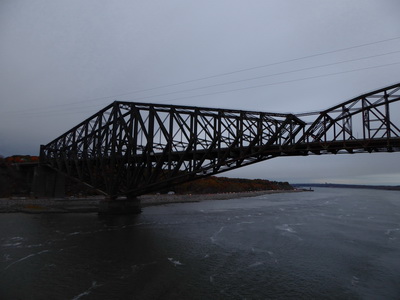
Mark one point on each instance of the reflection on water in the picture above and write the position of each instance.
(330, 244)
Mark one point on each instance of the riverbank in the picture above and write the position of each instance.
(90, 204)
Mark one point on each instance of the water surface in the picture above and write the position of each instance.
(327, 244)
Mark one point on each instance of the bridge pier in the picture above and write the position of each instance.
(47, 182)
(120, 206)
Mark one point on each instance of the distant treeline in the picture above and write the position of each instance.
(351, 186)
(19, 159)
(213, 184)
(15, 183)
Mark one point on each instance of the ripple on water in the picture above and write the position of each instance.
(285, 227)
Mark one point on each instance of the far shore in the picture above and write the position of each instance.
(90, 204)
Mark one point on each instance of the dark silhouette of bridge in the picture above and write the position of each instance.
(135, 148)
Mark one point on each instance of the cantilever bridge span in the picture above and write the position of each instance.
(135, 148)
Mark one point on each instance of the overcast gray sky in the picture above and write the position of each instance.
(62, 61)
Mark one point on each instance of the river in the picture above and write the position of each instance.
(326, 244)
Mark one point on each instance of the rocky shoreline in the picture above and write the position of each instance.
(90, 204)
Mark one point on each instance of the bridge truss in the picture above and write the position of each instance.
(135, 148)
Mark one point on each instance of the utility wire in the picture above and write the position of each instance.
(281, 82)
(265, 76)
(259, 67)
(68, 105)
(234, 90)
(230, 73)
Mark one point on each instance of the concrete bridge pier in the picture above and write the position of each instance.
(120, 206)
(48, 183)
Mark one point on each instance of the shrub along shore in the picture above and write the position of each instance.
(90, 204)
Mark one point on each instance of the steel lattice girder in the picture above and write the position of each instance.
(136, 148)
(362, 124)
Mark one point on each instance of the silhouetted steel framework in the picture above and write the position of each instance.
(136, 148)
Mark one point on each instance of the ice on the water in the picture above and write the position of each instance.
(87, 292)
(285, 227)
(175, 262)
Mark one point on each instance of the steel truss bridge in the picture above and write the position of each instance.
(135, 148)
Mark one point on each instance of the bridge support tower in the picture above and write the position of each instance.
(48, 182)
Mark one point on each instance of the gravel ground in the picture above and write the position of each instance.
(90, 204)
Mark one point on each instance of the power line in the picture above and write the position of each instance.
(258, 67)
(265, 76)
(229, 73)
(282, 82)
(235, 90)
(69, 105)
